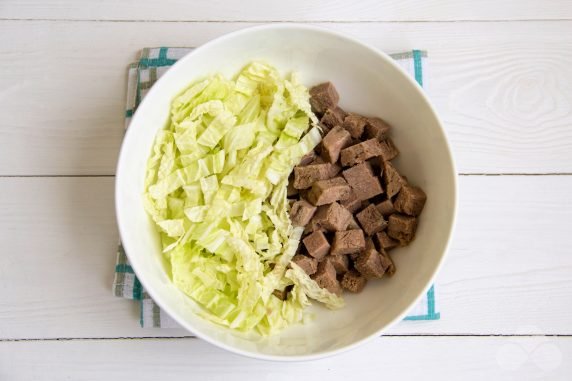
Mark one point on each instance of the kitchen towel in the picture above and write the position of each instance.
(153, 63)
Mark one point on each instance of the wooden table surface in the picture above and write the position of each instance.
(501, 78)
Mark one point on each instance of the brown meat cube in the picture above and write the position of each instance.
(307, 175)
(340, 262)
(387, 263)
(353, 281)
(353, 224)
(410, 200)
(385, 207)
(308, 264)
(317, 222)
(347, 242)
(334, 142)
(359, 170)
(360, 152)
(369, 245)
(302, 212)
(402, 228)
(326, 277)
(312, 227)
(364, 184)
(327, 191)
(283, 294)
(333, 117)
(303, 193)
(352, 203)
(332, 217)
(334, 169)
(280, 294)
(323, 97)
(392, 179)
(290, 190)
(337, 217)
(323, 131)
(308, 158)
(354, 124)
(388, 150)
(376, 128)
(368, 263)
(319, 160)
(371, 220)
(385, 242)
(317, 245)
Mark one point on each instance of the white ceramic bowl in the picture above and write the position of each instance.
(369, 82)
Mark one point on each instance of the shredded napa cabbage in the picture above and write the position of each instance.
(216, 189)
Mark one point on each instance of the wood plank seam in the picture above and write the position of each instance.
(482, 112)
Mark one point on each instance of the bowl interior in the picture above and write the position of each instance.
(369, 83)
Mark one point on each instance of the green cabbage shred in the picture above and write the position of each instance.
(216, 189)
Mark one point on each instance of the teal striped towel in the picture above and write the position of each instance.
(141, 76)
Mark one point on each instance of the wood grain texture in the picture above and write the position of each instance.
(413, 358)
(295, 10)
(509, 270)
(502, 89)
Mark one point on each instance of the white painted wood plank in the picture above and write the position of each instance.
(58, 243)
(502, 89)
(402, 358)
(509, 270)
(296, 10)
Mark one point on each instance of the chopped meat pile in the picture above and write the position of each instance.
(352, 201)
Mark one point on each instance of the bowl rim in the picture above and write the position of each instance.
(254, 354)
